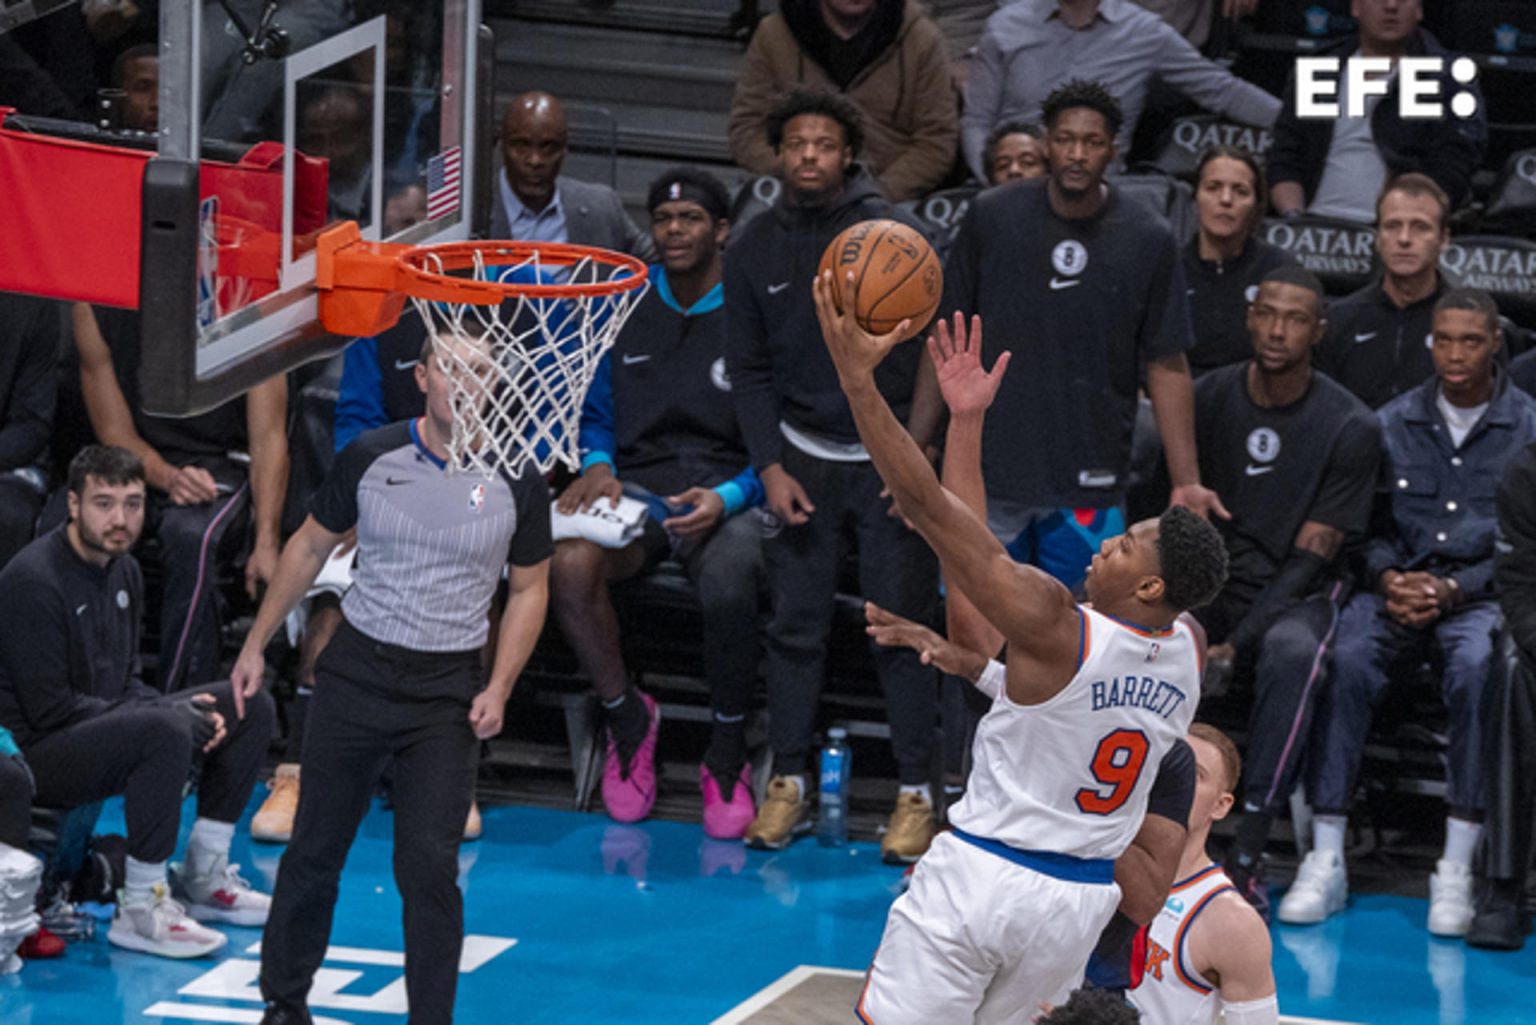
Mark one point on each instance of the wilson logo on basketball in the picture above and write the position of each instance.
(896, 275)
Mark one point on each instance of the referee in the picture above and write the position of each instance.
(401, 683)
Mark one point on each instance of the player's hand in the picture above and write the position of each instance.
(708, 510)
(892, 631)
(855, 351)
(261, 567)
(207, 705)
(1199, 499)
(596, 482)
(245, 679)
(486, 711)
(192, 485)
(968, 390)
(784, 496)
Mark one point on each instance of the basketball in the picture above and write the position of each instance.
(896, 275)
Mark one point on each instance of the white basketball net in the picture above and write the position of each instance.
(520, 370)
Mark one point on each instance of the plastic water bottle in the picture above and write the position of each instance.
(836, 772)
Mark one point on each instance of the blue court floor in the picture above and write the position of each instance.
(574, 918)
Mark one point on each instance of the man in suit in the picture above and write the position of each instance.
(536, 203)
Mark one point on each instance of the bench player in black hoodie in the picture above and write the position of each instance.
(819, 481)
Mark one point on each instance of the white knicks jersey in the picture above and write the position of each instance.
(1171, 991)
(1071, 775)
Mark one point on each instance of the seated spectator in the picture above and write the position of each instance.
(1207, 952)
(1294, 458)
(335, 124)
(1429, 565)
(817, 477)
(1015, 151)
(1378, 340)
(1501, 921)
(659, 425)
(1032, 47)
(72, 693)
(534, 202)
(1335, 167)
(208, 476)
(1226, 259)
(887, 56)
(136, 71)
(29, 358)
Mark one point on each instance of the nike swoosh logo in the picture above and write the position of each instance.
(394, 480)
(630, 361)
(1256, 471)
(1057, 284)
(776, 289)
(1365, 337)
(80, 610)
(406, 364)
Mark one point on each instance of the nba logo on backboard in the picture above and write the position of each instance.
(477, 498)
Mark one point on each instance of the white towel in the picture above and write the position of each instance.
(601, 523)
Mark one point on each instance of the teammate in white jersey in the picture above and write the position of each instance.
(1003, 911)
(1208, 952)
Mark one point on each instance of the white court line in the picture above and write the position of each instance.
(191, 1012)
(764, 997)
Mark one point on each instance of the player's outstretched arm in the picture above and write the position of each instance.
(968, 391)
(892, 631)
(1033, 612)
(300, 563)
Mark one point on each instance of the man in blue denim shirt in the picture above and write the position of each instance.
(1430, 569)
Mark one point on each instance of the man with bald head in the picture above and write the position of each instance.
(536, 203)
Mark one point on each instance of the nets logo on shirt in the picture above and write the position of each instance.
(1070, 259)
(718, 376)
(1263, 449)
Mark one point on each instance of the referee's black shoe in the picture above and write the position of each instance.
(1501, 922)
(283, 1014)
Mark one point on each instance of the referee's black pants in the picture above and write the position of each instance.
(376, 704)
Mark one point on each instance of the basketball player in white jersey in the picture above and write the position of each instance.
(1004, 910)
(1208, 952)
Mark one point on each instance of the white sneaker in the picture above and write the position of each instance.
(1450, 899)
(221, 895)
(160, 926)
(1320, 889)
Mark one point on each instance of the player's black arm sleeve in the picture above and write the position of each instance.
(28, 409)
(749, 361)
(1515, 561)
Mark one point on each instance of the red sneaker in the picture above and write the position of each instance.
(41, 946)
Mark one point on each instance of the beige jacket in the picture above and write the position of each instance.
(911, 112)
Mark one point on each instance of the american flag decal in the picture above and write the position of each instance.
(443, 172)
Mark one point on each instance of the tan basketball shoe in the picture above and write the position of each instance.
(783, 813)
(273, 821)
(910, 830)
